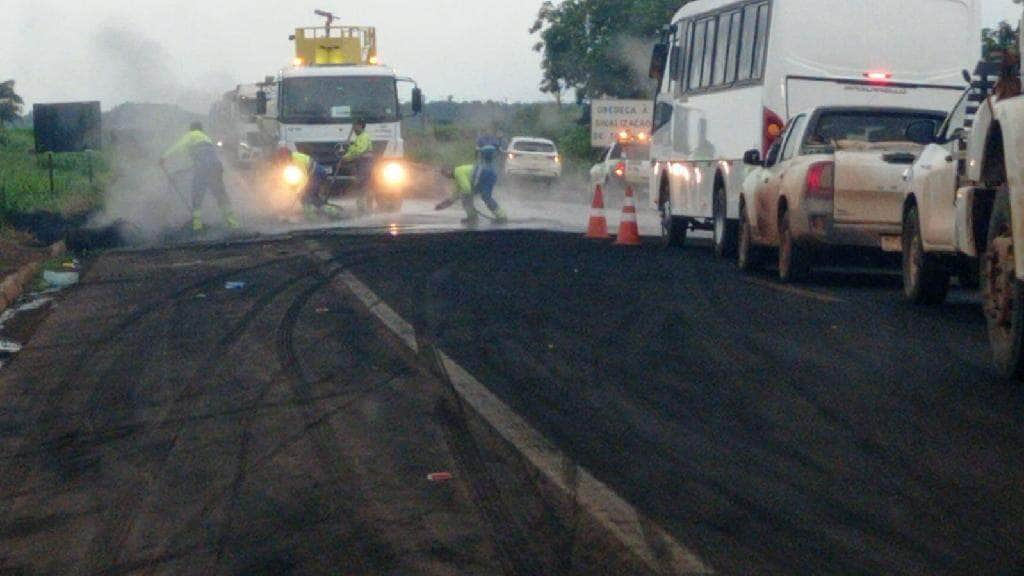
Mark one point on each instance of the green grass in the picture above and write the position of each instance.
(25, 182)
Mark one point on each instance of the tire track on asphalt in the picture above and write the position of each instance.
(121, 528)
(245, 462)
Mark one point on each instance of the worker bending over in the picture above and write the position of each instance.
(207, 174)
(481, 179)
(309, 182)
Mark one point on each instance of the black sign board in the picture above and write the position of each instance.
(68, 127)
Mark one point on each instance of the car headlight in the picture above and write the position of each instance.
(293, 175)
(394, 174)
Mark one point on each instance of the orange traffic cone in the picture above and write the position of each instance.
(629, 231)
(598, 229)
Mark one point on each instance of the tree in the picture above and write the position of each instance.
(10, 103)
(599, 47)
(999, 40)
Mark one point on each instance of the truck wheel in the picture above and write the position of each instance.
(925, 277)
(725, 231)
(1002, 293)
(749, 257)
(794, 260)
(673, 228)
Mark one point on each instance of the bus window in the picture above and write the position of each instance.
(696, 56)
(685, 50)
(709, 53)
(734, 47)
(721, 48)
(759, 44)
(747, 42)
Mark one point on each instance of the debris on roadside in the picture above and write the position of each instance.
(323, 310)
(9, 347)
(60, 279)
(233, 286)
(438, 477)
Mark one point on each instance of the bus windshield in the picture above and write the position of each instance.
(339, 100)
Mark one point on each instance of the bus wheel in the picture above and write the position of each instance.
(725, 231)
(673, 228)
(1002, 293)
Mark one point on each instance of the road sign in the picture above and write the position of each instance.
(68, 127)
(609, 117)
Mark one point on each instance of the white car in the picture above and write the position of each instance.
(534, 158)
(628, 163)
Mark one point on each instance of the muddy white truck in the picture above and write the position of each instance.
(964, 211)
(832, 180)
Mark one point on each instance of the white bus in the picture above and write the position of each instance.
(733, 72)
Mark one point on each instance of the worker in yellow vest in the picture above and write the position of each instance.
(207, 175)
(358, 162)
(307, 175)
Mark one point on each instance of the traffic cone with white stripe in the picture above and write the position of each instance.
(629, 231)
(598, 229)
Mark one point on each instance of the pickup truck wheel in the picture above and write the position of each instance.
(749, 257)
(925, 278)
(1002, 293)
(673, 228)
(794, 260)
(725, 231)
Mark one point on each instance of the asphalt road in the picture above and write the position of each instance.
(158, 422)
(824, 429)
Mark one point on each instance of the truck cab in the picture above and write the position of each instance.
(335, 79)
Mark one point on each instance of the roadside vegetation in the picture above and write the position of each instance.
(25, 178)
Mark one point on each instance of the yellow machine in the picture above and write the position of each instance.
(335, 45)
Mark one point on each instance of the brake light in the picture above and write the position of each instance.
(821, 181)
(620, 169)
(878, 76)
(773, 125)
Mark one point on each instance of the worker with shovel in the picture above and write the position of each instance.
(473, 179)
(207, 174)
(308, 177)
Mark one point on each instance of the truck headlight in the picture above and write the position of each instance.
(293, 175)
(394, 174)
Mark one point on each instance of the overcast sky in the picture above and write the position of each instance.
(189, 50)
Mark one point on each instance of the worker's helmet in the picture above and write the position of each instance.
(488, 153)
(196, 126)
(282, 155)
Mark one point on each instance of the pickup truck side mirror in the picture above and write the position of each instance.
(958, 135)
(753, 158)
(417, 101)
(261, 103)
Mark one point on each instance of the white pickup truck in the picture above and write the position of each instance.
(965, 205)
(832, 179)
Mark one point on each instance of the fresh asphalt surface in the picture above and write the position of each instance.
(829, 429)
(159, 423)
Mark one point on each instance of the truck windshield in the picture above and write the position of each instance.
(860, 126)
(339, 100)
